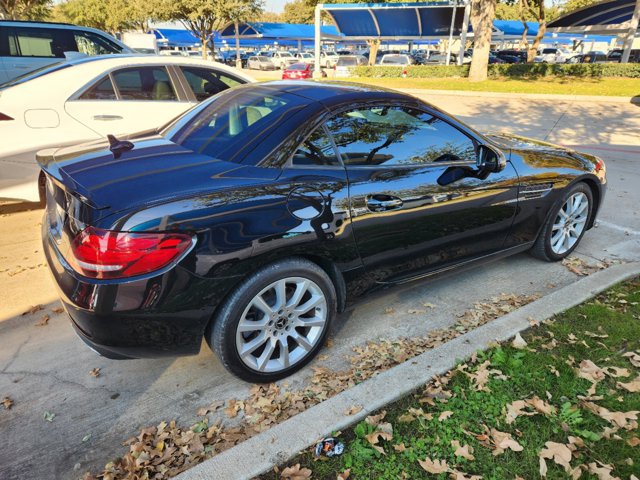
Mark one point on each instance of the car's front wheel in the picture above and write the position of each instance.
(566, 225)
(275, 321)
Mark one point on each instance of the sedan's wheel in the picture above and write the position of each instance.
(274, 322)
(566, 225)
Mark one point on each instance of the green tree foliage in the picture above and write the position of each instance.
(108, 15)
(24, 9)
(237, 12)
(299, 11)
(571, 5)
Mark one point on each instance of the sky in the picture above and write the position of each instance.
(276, 6)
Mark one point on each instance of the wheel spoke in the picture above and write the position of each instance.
(266, 355)
(558, 242)
(261, 305)
(284, 352)
(281, 294)
(581, 208)
(251, 346)
(313, 302)
(301, 289)
(310, 322)
(251, 326)
(302, 341)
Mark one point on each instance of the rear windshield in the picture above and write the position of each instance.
(395, 59)
(230, 121)
(549, 50)
(35, 74)
(298, 66)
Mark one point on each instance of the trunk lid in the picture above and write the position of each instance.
(155, 170)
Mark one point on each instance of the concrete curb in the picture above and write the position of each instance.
(532, 96)
(285, 440)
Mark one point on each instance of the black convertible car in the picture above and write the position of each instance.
(252, 219)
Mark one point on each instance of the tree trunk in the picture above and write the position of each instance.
(238, 59)
(524, 42)
(203, 43)
(542, 29)
(483, 13)
(373, 50)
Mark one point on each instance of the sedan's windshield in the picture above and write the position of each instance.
(229, 123)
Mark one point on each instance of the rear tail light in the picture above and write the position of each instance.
(5, 117)
(105, 254)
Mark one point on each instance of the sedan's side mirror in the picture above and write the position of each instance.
(490, 159)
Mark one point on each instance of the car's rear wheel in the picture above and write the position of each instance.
(274, 322)
(566, 225)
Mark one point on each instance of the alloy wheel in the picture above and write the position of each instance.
(281, 325)
(569, 223)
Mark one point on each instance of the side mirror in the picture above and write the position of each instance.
(490, 159)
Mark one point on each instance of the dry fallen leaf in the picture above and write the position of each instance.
(634, 358)
(58, 310)
(558, 452)
(633, 386)
(344, 475)
(211, 408)
(503, 441)
(295, 473)
(7, 403)
(602, 471)
(374, 420)
(518, 342)
(434, 466)
(444, 415)
(399, 447)
(43, 321)
(462, 451)
(32, 310)
(94, 372)
(353, 410)
(374, 437)
(634, 441)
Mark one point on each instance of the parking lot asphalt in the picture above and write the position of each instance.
(45, 368)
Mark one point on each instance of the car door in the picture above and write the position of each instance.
(128, 100)
(418, 202)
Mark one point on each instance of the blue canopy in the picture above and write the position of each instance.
(278, 31)
(397, 20)
(609, 16)
(175, 37)
(515, 27)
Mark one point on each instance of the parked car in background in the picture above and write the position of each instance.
(438, 59)
(304, 56)
(300, 71)
(257, 216)
(346, 62)
(396, 60)
(282, 59)
(328, 59)
(493, 59)
(589, 57)
(512, 56)
(554, 55)
(27, 46)
(615, 55)
(87, 99)
(260, 62)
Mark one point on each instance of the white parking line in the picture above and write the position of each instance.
(613, 226)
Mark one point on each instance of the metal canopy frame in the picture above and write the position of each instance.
(371, 8)
(589, 20)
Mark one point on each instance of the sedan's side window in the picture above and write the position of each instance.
(144, 83)
(102, 90)
(387, 135)
(206, 82)
(316, 150)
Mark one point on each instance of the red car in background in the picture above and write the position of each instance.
(299, 71)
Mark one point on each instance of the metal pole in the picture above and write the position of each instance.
(317, 72)
(628, 39)
(453, 20)
(463, 34)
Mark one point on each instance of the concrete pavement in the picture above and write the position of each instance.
(45, 368)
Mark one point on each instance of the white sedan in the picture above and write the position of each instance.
(86, 99)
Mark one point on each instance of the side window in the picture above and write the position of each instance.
(39, 42)
(91, 44)
(386, 135)
(103, 90)
(207, 82)
(144, 83)
(316, 150)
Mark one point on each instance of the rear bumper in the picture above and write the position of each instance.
(154, 316)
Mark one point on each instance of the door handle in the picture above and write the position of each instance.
(107, 118)
(381, 203)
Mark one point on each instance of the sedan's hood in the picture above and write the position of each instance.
(155, 170)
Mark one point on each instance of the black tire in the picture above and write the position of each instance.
(221, 336)
(542, 248)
